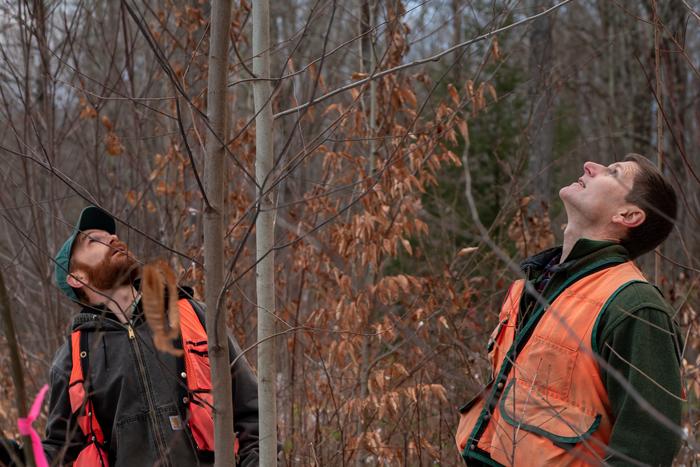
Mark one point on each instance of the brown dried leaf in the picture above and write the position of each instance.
(403, 283)
(173, 308)
(106, 122)
(453, 93)
(469, 85)
(88, 111)
(393, 288)
(421, 227)
(496, 49)
(155, 278)
(407, 246)
(464, 130)
(131, 197)
(480, 100)
(492, 91)
(113, 144)
(409, 96)
(467, 250)
(411, 393)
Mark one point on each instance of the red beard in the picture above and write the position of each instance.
(116, 269)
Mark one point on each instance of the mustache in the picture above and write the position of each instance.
(118, 245)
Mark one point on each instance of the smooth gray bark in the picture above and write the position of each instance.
(265, 235)
(214, 233)
(541, 128)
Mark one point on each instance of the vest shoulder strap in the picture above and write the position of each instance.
(197, 372)
(191, 327)
(76, 384)
(93, 454)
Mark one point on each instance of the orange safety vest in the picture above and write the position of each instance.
(93, 454)
(549, 402)
(199, 400)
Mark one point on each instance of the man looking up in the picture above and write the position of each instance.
(564, 373)
(116, 400)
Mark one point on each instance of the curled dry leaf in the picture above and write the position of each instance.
(407, 246)
(106, 122)
(464, 130)
(403, 283)
(113, 144)
(467, 250)
(87, 111)
(469, 86)
(158, 277)
(453, 93)
(132, 197)
(495, 49)
(492, 91)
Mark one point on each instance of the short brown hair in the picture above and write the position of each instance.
(657, 198)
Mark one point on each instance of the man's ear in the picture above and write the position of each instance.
(76, 279)
(630, 216)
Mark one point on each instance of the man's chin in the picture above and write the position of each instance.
(123, 271)
(122, 260)
(564, 192)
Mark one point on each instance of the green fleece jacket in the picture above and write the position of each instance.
(638, 337)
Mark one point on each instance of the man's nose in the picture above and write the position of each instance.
(591, 168)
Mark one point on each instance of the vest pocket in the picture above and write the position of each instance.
(548, 367)
(524, 407)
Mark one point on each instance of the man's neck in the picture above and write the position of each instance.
(573, 233)
(571, 236)
(122, 301)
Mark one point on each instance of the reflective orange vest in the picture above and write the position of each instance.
(549, 405)
(93, 454)
(199, 400)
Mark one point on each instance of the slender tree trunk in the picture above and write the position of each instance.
(369, 63)
(659, 120)
(456, 39)
(214, 233)
(541, 132)
(265, 234)
(16, 361)
(372, 95)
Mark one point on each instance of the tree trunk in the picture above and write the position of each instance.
(541, 128)
(658, 31)
(214, 233)
(17, 370)
(265, 234)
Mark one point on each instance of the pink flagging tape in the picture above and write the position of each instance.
(26, 428)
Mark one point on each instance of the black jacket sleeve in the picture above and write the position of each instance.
(244, 386)
(9, 451)
(64, 439)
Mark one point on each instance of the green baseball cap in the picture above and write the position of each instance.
(91, 217)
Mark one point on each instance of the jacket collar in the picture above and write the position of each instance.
(584, 250)
(99, 316)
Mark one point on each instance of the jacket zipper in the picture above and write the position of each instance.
(151, 406)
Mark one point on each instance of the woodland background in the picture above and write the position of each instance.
(386, 286)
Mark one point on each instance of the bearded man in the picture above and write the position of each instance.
(116, 400)
(585, 358)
